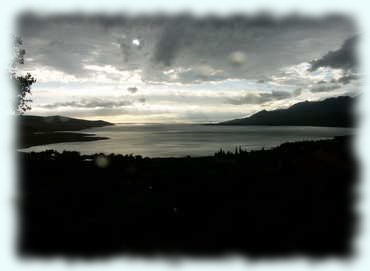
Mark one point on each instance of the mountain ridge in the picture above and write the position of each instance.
(331, 112)
(37, 130)
(33, 123)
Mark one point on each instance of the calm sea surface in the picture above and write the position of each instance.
(160, 140)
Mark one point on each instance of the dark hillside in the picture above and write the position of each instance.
(36, 130)
(332, 112)
(57, 123)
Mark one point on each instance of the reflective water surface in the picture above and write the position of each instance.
(160, 140)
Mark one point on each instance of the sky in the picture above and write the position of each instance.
(176, 69)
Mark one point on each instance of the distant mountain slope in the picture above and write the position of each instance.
(35, 130)
(57, 123)
(332, 112)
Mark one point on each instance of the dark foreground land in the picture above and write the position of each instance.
(294, 199)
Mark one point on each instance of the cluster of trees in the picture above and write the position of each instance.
(292, 200)
(22, 83)
(238, 151)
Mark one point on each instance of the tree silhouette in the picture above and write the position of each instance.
(22, 83)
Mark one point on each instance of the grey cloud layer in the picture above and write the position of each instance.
(132, 89)
(89, 103)
(344, 58)
(266, 45)
(259, 98)
(170, 42)
(183, 67)
(324, 88)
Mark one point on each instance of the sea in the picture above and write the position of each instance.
(179, 140)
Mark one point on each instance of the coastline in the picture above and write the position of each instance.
(37, 139)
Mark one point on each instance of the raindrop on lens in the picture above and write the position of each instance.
(101, 161)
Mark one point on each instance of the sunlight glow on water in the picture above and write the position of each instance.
(159, 140)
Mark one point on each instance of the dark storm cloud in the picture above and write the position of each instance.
(239, 46)
(67, 44)
(89, 103)
(198, 74)
(169, 42)
(142, 100)
(259, 98)
(63, 55)
(297, 92)
(346, 79)
(78, 113)
(125, 49)
(343, 58)
(132, 89)
(324, 88)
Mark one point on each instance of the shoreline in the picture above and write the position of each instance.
(46, 138)
(90, 137)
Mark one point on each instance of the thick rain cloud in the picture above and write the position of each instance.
(324, 88)
(90, 103)
(132, 89)
(259, 98)
(142, 100)
(344, 58)
(170, 42)
(240, 46)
